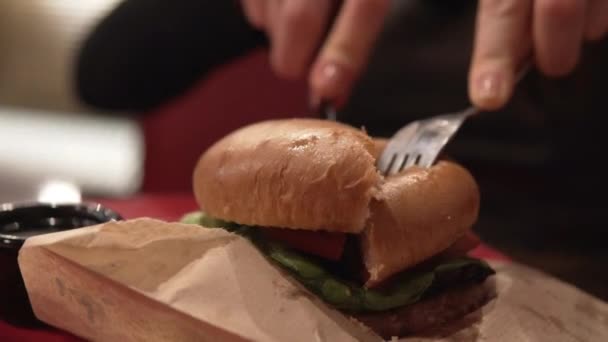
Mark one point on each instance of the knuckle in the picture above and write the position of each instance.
(559, 8)
(504, 8)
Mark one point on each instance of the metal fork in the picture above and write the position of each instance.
(420, 142)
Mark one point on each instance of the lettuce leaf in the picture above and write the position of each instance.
(406, 288)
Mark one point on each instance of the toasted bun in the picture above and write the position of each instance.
(321, 175)
(298, 173)
(416, 215)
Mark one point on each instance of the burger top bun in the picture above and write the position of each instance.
(321, 175)
(298, 173)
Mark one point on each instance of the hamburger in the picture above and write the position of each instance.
(390, 252)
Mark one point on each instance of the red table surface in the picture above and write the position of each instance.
(162, 206)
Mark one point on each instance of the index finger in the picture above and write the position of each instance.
(298, 32)
(347, 48)
(502, 39)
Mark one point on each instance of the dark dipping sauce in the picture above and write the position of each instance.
(21, 221)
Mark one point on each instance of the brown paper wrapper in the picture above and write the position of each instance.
(147, 280)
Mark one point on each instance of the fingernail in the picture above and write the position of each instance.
(489, 85)
(490, 88)
(332, 80)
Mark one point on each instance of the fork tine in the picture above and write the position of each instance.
(427, 160)
(400, 160)
(395, 147)
(414, 159)
(385, 162)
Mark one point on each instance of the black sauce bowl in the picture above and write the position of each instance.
(21, 221)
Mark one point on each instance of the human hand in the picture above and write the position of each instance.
(508, 31)
(300, 47)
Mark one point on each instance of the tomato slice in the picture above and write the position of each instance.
(323, 244)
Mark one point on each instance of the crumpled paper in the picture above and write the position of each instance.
(149, 280)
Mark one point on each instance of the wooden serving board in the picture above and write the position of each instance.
(147, 280)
